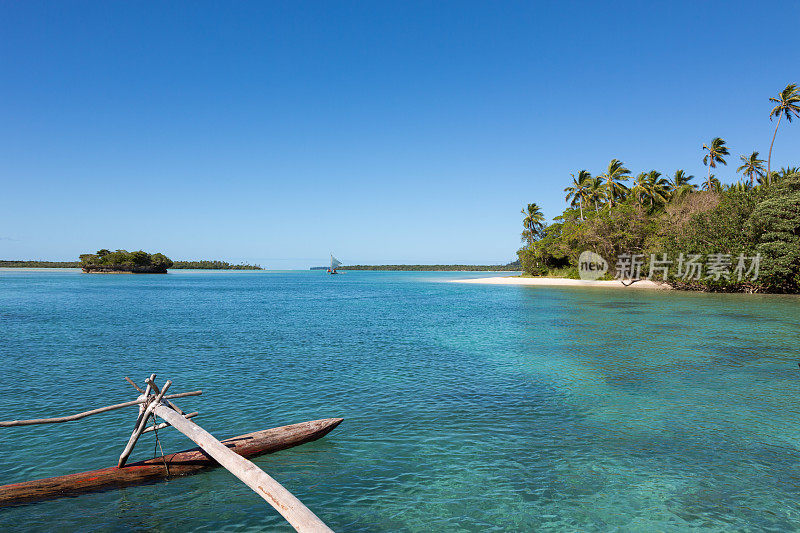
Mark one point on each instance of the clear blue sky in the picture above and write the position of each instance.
(386, 132)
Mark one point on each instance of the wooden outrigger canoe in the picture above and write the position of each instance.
(172, 465)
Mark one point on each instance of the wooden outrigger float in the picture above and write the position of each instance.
(167, 466)
(231, 453)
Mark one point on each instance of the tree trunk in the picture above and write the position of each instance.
(769, 157)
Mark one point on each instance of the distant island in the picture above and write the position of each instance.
(199, 265)
(514, 266)
(213, 265)
(6, 263)
(123, 261)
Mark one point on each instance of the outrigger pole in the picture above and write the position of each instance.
(78, 416)
(154, 401)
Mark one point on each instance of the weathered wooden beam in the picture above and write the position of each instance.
(78, 416)
(163, 425)
(69, 418)
(141, 425)
(292, 509)
(183, 395)
(155, 388)
(149, 381)
(135, 386)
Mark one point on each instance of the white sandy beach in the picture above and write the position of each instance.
(564, 282)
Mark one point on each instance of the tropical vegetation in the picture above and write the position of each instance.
(653, 215)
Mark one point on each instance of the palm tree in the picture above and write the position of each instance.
(613, 177)
(751, 167)
(713, 184)
(577, 191)
(639, 189)
(679, 184)
(716, 152)
(533, 222)
(594, 192)
(657, 188)
(788, 104)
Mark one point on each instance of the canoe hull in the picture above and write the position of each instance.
(167, 466)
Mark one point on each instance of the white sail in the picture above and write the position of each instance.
(335, 263)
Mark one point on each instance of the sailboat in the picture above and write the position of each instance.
(335, 263)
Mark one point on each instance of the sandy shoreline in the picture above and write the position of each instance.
(564, 282)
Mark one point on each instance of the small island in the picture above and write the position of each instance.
(124, 262)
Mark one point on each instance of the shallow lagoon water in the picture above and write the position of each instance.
(467, 407)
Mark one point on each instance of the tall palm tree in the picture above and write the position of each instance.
(577, 192)
(716, 154)
(594, 192)
(752, 167)
(680, 184)
(788, 104)
(613, 177)
(533, 222)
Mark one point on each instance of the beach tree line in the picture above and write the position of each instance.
(617, 212)
(213, 265)
(509, 267)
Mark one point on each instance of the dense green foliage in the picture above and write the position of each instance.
(775, 227)
(125, 258)
(761, 220)
(124, 261)
(213, 265)
(747, 233)
(510, 267)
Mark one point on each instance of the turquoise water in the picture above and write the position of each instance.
(467, 407)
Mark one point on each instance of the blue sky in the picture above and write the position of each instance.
(386, 132)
